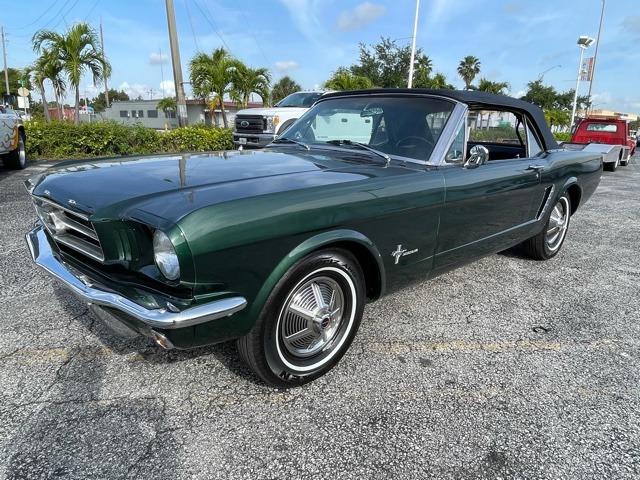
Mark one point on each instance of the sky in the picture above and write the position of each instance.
(516, 41)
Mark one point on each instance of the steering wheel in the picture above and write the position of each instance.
(420, 145)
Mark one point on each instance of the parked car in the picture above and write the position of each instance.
(258, 127)
(12, 139)
(281, 248)
(607, 134)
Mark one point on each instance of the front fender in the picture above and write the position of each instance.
(343, 238)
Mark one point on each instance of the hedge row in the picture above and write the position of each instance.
(58, 140)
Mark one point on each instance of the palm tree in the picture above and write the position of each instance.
(485, 85)
(247, 80)
(212, 77)
(284, 87)
(78, 52)
(48, 67)
(468, 69)
(344, 80)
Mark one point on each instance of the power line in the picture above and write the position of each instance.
(213, 25)
(191, 23)
(91, 11)
(252, 34)
(36, 20)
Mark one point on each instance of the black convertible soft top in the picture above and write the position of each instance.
(475, 100)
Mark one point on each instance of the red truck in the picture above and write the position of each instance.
(609, 135)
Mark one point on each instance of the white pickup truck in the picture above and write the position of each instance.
(258, 127)
(12, 139)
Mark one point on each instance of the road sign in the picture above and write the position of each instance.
(23, 92)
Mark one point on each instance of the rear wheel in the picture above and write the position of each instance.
(612, 166)
(547, 243)
(308, 322)
(16, 159)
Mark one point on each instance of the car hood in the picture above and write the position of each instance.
(171, 186)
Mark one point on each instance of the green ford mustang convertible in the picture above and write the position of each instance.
(281, 248)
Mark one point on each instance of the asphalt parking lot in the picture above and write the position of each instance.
(506, 368)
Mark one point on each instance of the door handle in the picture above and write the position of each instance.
(537, 168)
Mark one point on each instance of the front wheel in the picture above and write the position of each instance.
(308, 322)
(547, 243)
(16, 159)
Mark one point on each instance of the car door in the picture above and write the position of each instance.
(487, 206)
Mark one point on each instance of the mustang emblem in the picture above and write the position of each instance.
(401, 252)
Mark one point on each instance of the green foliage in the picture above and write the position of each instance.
(99, 103)
(283, 88)
(562, 136)
(494, 134)
(468, 68)
(60, 140)
(342, 79)
(387, 65)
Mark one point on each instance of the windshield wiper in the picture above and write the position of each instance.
(364, 146)
(291, 140)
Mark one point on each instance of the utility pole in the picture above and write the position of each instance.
(106, 87)
(4, 56)
(177, 68)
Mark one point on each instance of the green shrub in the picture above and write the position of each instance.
(63, 139)
(562, 136)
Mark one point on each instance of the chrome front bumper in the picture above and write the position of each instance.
(43, 255)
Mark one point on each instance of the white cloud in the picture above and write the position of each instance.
(303, 13)
(284, 66)
(360, 17)
(134, 91)
(158, 59)
(167, 89)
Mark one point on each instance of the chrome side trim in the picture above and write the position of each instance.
(42, 254)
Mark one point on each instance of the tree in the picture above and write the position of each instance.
(48, 67)
(15, 77)
(342, 79)
(387, 65)
(499, 88)
(79, 52)
(212, 76)
(247, 80)
(468, 68)
(436, 81)
(100, 102)
(166, 104)
(557, 118)
(284, 87)
(541, 95)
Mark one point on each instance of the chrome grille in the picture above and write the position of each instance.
(69, 228)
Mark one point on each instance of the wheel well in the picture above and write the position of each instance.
(368, 264)
(575, 194)
(286, 125)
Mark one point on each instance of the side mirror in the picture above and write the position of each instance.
(479, 156)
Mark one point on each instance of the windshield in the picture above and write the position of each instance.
(397, 126)
(299, 99)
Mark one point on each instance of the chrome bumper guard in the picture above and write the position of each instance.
(42, 254)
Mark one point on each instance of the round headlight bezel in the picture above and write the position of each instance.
(164, 256)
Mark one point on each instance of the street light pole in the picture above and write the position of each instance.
(595, 55)
(583, 43)
(413, 46)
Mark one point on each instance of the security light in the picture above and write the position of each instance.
(584, 41)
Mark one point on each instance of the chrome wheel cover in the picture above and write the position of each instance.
(312, 316)
(22, 152)
(558, 223)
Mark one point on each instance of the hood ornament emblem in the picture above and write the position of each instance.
(72, 202)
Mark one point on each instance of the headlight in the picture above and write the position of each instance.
(165, 256)
(272, 124)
